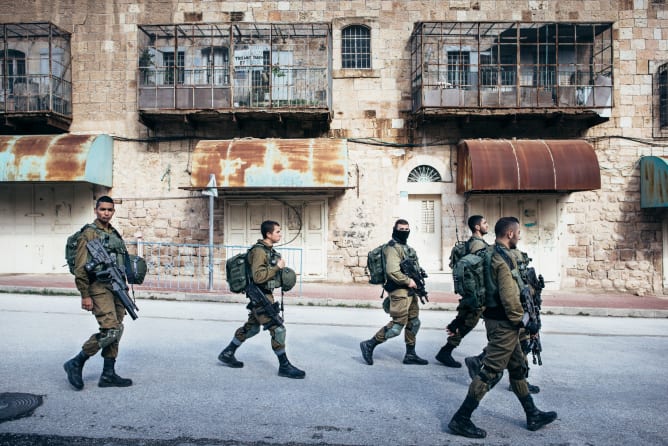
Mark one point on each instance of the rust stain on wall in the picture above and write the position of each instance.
(271, 163)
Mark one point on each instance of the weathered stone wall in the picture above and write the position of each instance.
(611, 243)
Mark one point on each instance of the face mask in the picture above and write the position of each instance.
(400, 236)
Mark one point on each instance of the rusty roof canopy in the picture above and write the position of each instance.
(499, 165)
(66, 157)
(653, 182)
(247, 165)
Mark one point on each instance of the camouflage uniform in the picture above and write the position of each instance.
(503, 351)
(404, 308)
(465, 321)
(265, 275)
(107, 308)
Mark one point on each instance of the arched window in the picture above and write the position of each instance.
(424, 174)
(663, 96)
(356, 47)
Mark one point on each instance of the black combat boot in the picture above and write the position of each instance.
(74, 369)
(109, 378)
(532, 389)
(288, 370)
(227, 356)
(444, 356)
(461, 423)
(536, 418)
(474, 364)
(412, 358)
(367, 349)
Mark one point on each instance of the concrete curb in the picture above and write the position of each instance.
(332, 302)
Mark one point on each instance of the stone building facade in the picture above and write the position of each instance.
(599, 239)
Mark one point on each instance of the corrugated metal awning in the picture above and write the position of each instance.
(499, 165)
(86, 158)
(653, 182)
(247, 165)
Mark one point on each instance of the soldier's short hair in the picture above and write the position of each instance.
(504, 225)
(268, 227)
(103, 199)
(475, 220)
(401, 221)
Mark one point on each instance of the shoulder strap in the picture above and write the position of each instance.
(513, 270)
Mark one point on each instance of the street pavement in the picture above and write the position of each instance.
(605, 376)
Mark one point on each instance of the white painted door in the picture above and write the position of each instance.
(424, 217)
(539, 217)
(35, 221)
(303, 225)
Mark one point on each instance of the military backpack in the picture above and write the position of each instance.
(472, 278)
(135, 266)
(237, 271)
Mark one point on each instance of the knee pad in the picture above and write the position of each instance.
(279, 334)
(255, 329)
(490, 377)
(519, 372)
(109, 336)
(393, 331)
(414, 325)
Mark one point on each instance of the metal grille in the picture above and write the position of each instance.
(356, 47)
(663, 96)
(424, 174)
(428, 216)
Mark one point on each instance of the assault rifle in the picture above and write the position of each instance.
(532, 323)
(410, 267)
(107, 270)
(259, 300)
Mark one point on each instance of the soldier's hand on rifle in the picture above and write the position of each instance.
(87, 303)
(411, 283)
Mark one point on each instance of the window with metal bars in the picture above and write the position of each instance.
(663, 96)
(356, 47)
(428, 216)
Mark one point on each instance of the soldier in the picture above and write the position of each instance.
(266, 267)
(473, 363)
(97, 296)
(404, 308)
(503, 322)
(467, 318)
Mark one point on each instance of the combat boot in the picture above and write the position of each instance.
(227, 356)
(532, 389)
(74, 369)
(109, 378)
(444, 356)
(287, 370)
(412, 358)
(461, 423)
(367, 349)
(536, 418)
(474, 364)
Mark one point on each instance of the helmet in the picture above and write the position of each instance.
(288, 279)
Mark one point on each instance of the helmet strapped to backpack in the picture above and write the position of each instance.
(288, 279)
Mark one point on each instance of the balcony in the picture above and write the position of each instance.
(500, 69)
(236, 71)
(35, 78)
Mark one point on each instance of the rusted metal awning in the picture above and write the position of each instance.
(247, 165)
(653, 182)
(499, 165)
(78, 158)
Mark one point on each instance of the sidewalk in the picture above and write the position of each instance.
(363, 295)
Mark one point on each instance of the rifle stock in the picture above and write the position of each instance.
(112, 273)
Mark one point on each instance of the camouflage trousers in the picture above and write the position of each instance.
(257, 319)
(405, 313)
(109, 312)
(470, 316)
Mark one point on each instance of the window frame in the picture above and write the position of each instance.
(356, 49)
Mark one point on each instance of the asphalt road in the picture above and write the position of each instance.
(606, 378)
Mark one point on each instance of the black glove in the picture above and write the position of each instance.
(532, 327)
(456, 325)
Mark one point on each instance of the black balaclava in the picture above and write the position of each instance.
(400, 236)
